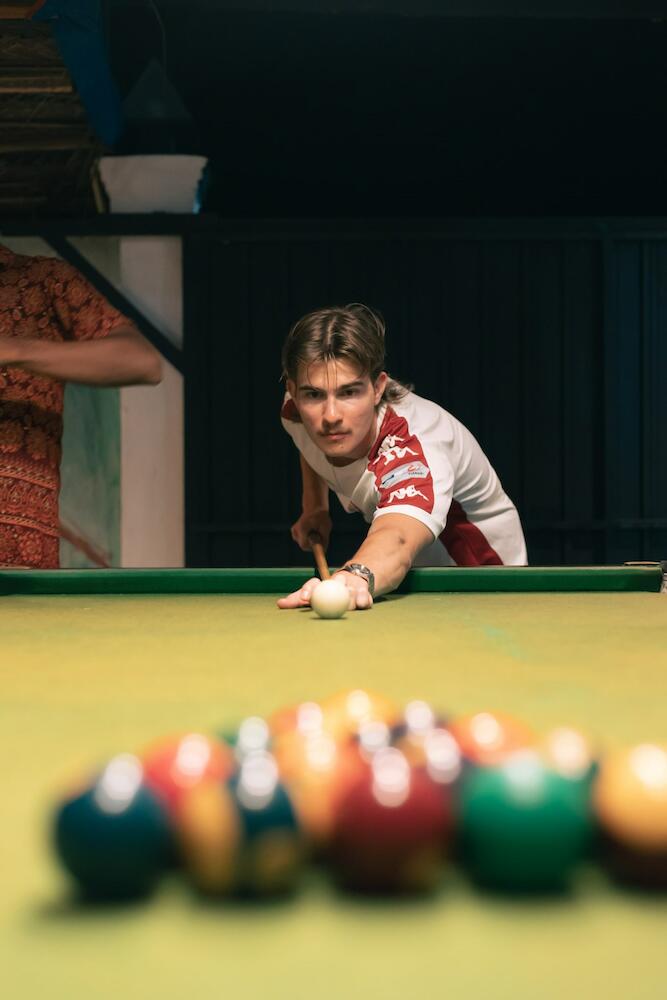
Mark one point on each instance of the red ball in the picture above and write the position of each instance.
(174, 766)
(391, 828)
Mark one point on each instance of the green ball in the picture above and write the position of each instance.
(523, 827)
(252, 735)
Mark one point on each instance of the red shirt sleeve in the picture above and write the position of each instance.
(82, 312)
(402, 473)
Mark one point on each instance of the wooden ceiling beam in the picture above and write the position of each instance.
(50, 128)
(35, 81)
(66, 141)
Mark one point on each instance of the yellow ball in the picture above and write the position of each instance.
(630, 796)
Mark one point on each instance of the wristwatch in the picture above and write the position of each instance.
(364, 572)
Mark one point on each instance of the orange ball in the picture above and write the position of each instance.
(317, 769)
(304, 717)
(343, 714)
(488, 738)
(630, 796)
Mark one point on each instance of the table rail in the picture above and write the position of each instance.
(450, 579)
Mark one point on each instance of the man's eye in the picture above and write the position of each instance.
(311, 394)
(350, 392)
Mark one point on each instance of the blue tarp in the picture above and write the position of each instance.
(77, 30)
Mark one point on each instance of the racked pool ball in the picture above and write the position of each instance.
(440, 756)
(114, 838)
(345, 713)
(330, 599)
(251, 736)
(570, 752)
(242, 836)
(305, 717)
(175, 765)
(317, 770)
(418, 720)
(391, 829)
(523, 826)
(630, 800)
(487, 738)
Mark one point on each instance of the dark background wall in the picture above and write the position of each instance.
(546, 337)
(342, 114)
(548, 341)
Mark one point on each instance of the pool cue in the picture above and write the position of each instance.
(315, 540)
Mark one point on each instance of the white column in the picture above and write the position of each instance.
(152, 479)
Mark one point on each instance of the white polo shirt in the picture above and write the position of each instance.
(425, 464)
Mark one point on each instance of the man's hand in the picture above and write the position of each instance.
(317, 520)
(360, 594)
(360, 599)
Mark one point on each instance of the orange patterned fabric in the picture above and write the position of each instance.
(47, 299)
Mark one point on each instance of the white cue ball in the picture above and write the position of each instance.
(330, 599)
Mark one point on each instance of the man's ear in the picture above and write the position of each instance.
(379, 386)
(291, 387)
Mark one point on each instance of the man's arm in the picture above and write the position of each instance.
(315, 508)
(314, 491)
(389, 549)
(123, 357)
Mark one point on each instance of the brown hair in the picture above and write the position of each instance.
(353, 333)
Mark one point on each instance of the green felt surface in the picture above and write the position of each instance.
(84, 676)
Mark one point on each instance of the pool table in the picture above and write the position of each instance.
(95, 662)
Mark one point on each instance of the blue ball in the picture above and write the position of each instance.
(114, 838)
(271, 849)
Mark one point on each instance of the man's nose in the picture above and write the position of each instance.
(331, 410)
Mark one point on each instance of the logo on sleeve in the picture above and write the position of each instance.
(405, 493)
(415, 470)
(390, 449)
(397, 461)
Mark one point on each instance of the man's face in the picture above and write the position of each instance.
(337, 407)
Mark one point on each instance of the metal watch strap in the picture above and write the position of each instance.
(364, 572)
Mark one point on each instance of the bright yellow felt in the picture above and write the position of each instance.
(84, 677)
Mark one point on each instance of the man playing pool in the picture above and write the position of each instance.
(416, 474)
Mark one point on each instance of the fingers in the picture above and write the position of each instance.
(363, 600)
(300, 538)
(300, 598)
(319, 522)
(360, 598)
